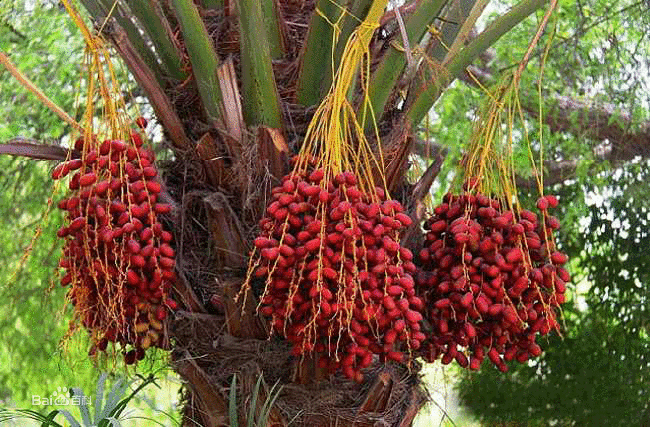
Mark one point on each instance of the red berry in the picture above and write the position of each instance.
(559, 258)
(542, 204)
(552, 200)
(141, 122)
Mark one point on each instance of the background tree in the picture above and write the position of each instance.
(186, 45)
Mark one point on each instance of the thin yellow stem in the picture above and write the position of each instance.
(27, 84)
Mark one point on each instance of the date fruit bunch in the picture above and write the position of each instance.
(118, 257)
(492, 280)
(338, 284)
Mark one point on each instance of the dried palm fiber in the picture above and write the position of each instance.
(311, 404)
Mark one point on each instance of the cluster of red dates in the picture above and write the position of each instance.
(339, 285)
(492, 280)
(118, 258)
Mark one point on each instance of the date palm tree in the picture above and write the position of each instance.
(234, 85)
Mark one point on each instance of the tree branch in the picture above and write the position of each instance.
(27, 84)
(599, 122)
(27, 147)
(618, 138)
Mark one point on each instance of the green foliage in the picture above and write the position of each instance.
(254, 417)
(450, 127)
(609, 240)
(109, 406)
(43, 42)
(598, 52)
(596, 375)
